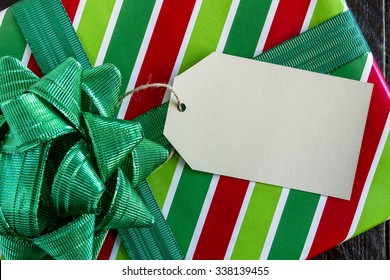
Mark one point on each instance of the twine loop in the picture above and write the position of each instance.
(180, 105)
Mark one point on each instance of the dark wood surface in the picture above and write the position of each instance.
(6, 3)
(373, 17)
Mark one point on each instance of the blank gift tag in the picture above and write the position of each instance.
(271, 124)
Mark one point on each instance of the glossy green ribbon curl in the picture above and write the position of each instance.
(68, 168)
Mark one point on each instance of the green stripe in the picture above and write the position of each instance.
(256, 223)
(128, 35)
(354, 71)
(161, 179)
(377, 206)
(207, 31)
(246, 28)
(187, 205)
(122, 253)
(193, 186)
(326, 9)
(91, 35)
(12, 41)
(295, 222)
(294, 225)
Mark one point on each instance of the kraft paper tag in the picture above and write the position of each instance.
(271, 124)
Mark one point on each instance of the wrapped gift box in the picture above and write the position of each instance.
(215, 217)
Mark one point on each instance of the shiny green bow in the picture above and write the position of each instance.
(68, 168)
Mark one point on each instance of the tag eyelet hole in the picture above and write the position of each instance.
(181, 107)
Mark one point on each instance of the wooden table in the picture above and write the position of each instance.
(373, 17)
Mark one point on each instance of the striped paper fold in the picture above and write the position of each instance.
(216, 217)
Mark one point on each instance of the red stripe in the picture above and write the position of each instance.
(338, 214)
(161, 54)
(221, 219)
(288, 21)
(71, 7)
(108, 244)
(105, 252)
(230, 193)
(33, 66)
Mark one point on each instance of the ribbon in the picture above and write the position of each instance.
(322, 49)
(68, 168)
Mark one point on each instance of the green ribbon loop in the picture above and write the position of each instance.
(74, 241)
(38, 124)
(54, 132)
(62, 205)
(14, 79)
(111, 151)
(53, 40)
(18, 249)
(77, 188)
(102, 85)
(22, 180)
(145, 158)
(61, 88)
(126, 209)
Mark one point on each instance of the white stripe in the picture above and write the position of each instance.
(240, 220)
(141, 56)
(115, 248)
(145, 44)
(345, 6)
(314, 227)
(221, 42)
(267, 27)
(26, 55)
(370, 177)
(322, 202)
(2, 14)
(79, 12)
(371, 173)
(309, 15)
(179, 60)
(367, 68)
(274, 224)
(184, 45)
(109, 31)
(214, 181)
(228, 25)
(173, 188)
(202, 217)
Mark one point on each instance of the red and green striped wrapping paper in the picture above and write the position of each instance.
(216, 217)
